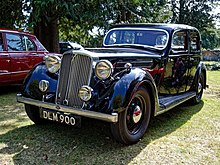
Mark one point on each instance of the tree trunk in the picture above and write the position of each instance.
(181, 11)
(47, 33)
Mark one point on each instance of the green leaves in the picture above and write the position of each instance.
(210, 38)
(193, 12)
(11, 14)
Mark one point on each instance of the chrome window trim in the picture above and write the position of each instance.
(177, 31)
(146, 29)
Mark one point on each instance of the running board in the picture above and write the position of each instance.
(168, 102)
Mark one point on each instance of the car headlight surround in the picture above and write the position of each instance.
(103, 69)
(52, 63)
(85, 93)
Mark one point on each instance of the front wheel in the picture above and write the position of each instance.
(133, 122)
(33, 113)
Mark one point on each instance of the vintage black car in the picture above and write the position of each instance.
(141, 71)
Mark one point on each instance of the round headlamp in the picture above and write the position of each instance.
(52, 63)
(103, 69)
(85, 93)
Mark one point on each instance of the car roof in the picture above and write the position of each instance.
(17, 32)
(156, 26)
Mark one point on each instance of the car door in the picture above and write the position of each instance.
(18, 55)
(23, 53)
(175, 76)
(35, 50)
(4, 62)
(194, 55)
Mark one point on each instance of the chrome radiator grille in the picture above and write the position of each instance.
(75, 72)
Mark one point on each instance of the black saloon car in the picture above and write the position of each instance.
(141, 71)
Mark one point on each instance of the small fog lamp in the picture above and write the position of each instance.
(43, 85)
(85, 93)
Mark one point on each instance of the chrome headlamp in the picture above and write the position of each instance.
(52, 63)
(103, 69)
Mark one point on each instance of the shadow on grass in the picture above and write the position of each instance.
(92, 144)
(4, 90)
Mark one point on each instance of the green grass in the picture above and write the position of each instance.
(185, 135)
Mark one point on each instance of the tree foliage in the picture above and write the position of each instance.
(197, 13)
(11, 14)
(211, 39)
(86, 21)
(193, 12)
(101, 14)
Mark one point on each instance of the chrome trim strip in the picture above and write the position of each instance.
(25, 71)
(4, 54)
(81, 112)
(135, 28)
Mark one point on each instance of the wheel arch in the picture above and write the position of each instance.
(137, 78)
(202, 70)
(153, 95)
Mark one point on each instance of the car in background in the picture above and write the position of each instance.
(66, 46)
(142, 70)
(19, 53)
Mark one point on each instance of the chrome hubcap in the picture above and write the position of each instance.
(137, 114)
(199, 87)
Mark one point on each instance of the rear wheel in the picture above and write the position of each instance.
(133, 122)
(33, 113)
(199, 89)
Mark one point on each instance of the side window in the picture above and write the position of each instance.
(1, 43)
(40, 47)
(14, 42)
(194, 41)
(29, 45)
(179, 41)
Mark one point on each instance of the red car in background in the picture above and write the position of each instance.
(19, 53)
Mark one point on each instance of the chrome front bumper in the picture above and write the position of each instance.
(61, 108)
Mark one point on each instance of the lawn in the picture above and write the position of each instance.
(185, 135)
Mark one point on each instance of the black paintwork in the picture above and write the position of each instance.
(165, 73)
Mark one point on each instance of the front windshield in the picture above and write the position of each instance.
(154, 38)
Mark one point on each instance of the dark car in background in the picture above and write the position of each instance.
(19, 53)
(143, 70)
(66, 46)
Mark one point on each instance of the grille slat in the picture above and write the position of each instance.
(75, 72)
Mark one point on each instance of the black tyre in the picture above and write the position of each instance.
(133, 122)
(34, 114)
(199, 89)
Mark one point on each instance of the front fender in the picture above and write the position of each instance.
(128, 84)
(30, 86)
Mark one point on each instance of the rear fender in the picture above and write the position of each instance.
(201, 69)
